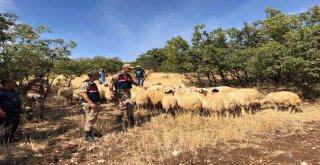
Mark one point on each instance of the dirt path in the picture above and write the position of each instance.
(295, 148)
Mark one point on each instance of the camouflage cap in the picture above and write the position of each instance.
(127, 66)
(93, 72)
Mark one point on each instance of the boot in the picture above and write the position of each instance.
(29, 115)
(131, 121)
(89, 137)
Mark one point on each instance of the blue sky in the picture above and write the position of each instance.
(127, 28)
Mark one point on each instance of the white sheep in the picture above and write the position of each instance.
(213, 104)
(102, 92)
(77, 95)
(169, 102)
(66, 93)
(142, 100)
(241, 99)
(188, 101)
(219, 103)
(287, 99)
(254, 98)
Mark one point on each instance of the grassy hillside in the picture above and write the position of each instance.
(59, 139)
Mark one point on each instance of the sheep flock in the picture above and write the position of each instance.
(220, 101)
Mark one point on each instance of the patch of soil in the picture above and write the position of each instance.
(293, 148)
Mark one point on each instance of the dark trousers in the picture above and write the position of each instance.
(9, 126)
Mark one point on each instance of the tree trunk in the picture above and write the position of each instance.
(69, 82)
(214, 78)
(223, 78)
(199, 78)
(209, 79)
(188, 78)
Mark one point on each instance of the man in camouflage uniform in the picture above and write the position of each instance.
(120, 86)
(37, 91)
(91, 97)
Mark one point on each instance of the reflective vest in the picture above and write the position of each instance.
(124, 81)
(93, 92)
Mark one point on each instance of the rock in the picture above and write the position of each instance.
(91, 148)
(75, 154)
(314, 148)
(101, 161)
(304, 163)
(175, 153)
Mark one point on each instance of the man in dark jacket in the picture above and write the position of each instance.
(10, 104)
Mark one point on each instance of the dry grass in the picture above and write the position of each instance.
(155, 141)
(152, 142)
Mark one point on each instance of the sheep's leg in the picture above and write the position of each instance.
(172, 112)
(227, 113)
(234, 113)
(237, 111)
(297, 109)
(252, 108)
(149, 106)
(167, 111)
(243, 111)
(275, 107)
(290, 109)
(216, 115)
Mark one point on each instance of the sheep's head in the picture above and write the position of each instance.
(203, 91)
(264, 101)
(169, 91)
(214, 90)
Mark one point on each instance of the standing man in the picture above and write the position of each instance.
(37, 91)
(90, 94)
(122, 83)
(140, 75)
(10, 107)
(102, 76)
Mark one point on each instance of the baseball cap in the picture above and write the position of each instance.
(138, 66)
(93, 72)
(127, 66)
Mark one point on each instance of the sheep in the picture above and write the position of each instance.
(218, 103)
(221, 89)
(212, 104)
(284, 98)
(142, 100)
(179, 86)
(107, 95)
(66, 93)
(188, 101)
(77, 95)
(156, 87)
(254, 98)
(241, 99)
(169, 102)
(102, 90)
(155, 98)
